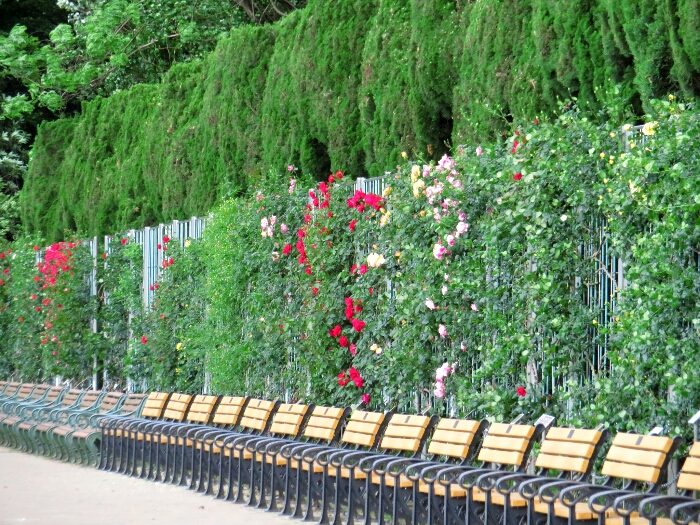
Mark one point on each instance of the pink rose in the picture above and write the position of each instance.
(284, 228)
(442, 330)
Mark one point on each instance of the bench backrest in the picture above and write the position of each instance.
(508, 445)
(110, 402)
(324, 423)
(456, 439)
(639, 458)
(53, 395)
(11, 389)
(30, 392)
(201, 409)
(570, 450)
(363, 428)
(256, 415)
(289, 419)
(90, 398)
(689, 478)
(155, 403)
(71, 397)
(228, 411)
(132, 403)
(176, 408)
(3, 386)
(406, 434)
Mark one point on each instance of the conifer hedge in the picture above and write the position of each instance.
(348, 85)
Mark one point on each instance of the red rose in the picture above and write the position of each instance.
(348, 301)
(358, 308)
(362, 269)
(349, 313)
(331, 179)
(308, 270)
(343, 341)
(330, 213)
(358, 325)
(104, 255)
(371, 291)
(38, 309)
(335, 331)
(36, 248)
(353, 269)
(342, 380)
(314, 291)
(166, 239)
(338, 175)
(352, 225)
(353, 349)
(366, 399)
(517, 176)
(170, 261)
(521, 391)
(353, 372)
(124, 241)
(359, 382)
(287, 249)
(144, 340)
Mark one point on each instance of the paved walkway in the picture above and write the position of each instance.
(36, 490)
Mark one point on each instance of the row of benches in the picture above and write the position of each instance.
(303, 460)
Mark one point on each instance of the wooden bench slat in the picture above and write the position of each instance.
(328, 412)
(367, 417)
(579, 435)
(450, 436)
(688, 481)
(397, 443)
(505, 429)
(401, 431)
(500, 456)
(319, 433)
(571, 464)
(323, 422)
(257, 413)
(505, 443)
(642, 442)
(635, 472)
(562, 448)
(284, 428)
(249, 422)
(647, 458)
(358, 439)
(695, 450)
(448, 449)
(360, 427)
(692, 465)
(458, 425)
(292, 419)
(293, 409)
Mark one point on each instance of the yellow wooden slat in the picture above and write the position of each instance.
(402, 431)
(506, 443)
(257, 424)
(393, 443)
(293, 408)
(262, 404)
(292, 419)
(695, 450)
(627, 471)
(504, 429)
(183, 398)
(225, 419)
(256, 413)
(579, 435)
(232, 400)
(562, 448)
(323, 422)
(451, 436)
(360, 427)
(331, 412)
(411, 421)
(659, 443)
(691, 465)
(462, 425)
(319, 433)
(500, 456)
(198, 417)
(228, 409)
(687, 481)
(562, 463)
(448, 449)
(358, 439)
(647, 458)
(367, 417)
(284, 428)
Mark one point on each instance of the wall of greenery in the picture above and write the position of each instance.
(469, 280)
(348, 85)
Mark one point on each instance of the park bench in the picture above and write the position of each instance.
(8, 389)
(116, 429)
(40, 396)
(25, 393)
(31, 417)
(681, 509)
(505, 449)
(331, 476)
(142, 436)
(227, 412)
(170, 435)
(70, 438)
(40, 435)
(228, 448)
(635, 462)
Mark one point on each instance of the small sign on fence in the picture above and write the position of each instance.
(545, 420)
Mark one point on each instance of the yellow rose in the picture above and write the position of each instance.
(648, 128)
(375, 260)
(178, 346)
(415, 173)
(386, 192)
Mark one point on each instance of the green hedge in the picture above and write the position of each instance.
(348, 85)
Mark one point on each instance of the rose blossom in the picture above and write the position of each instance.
(366, 399)
(284, 228)
(429, 303)
(439, 251)
(442, 330)
(450, 240)
(474, 308)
